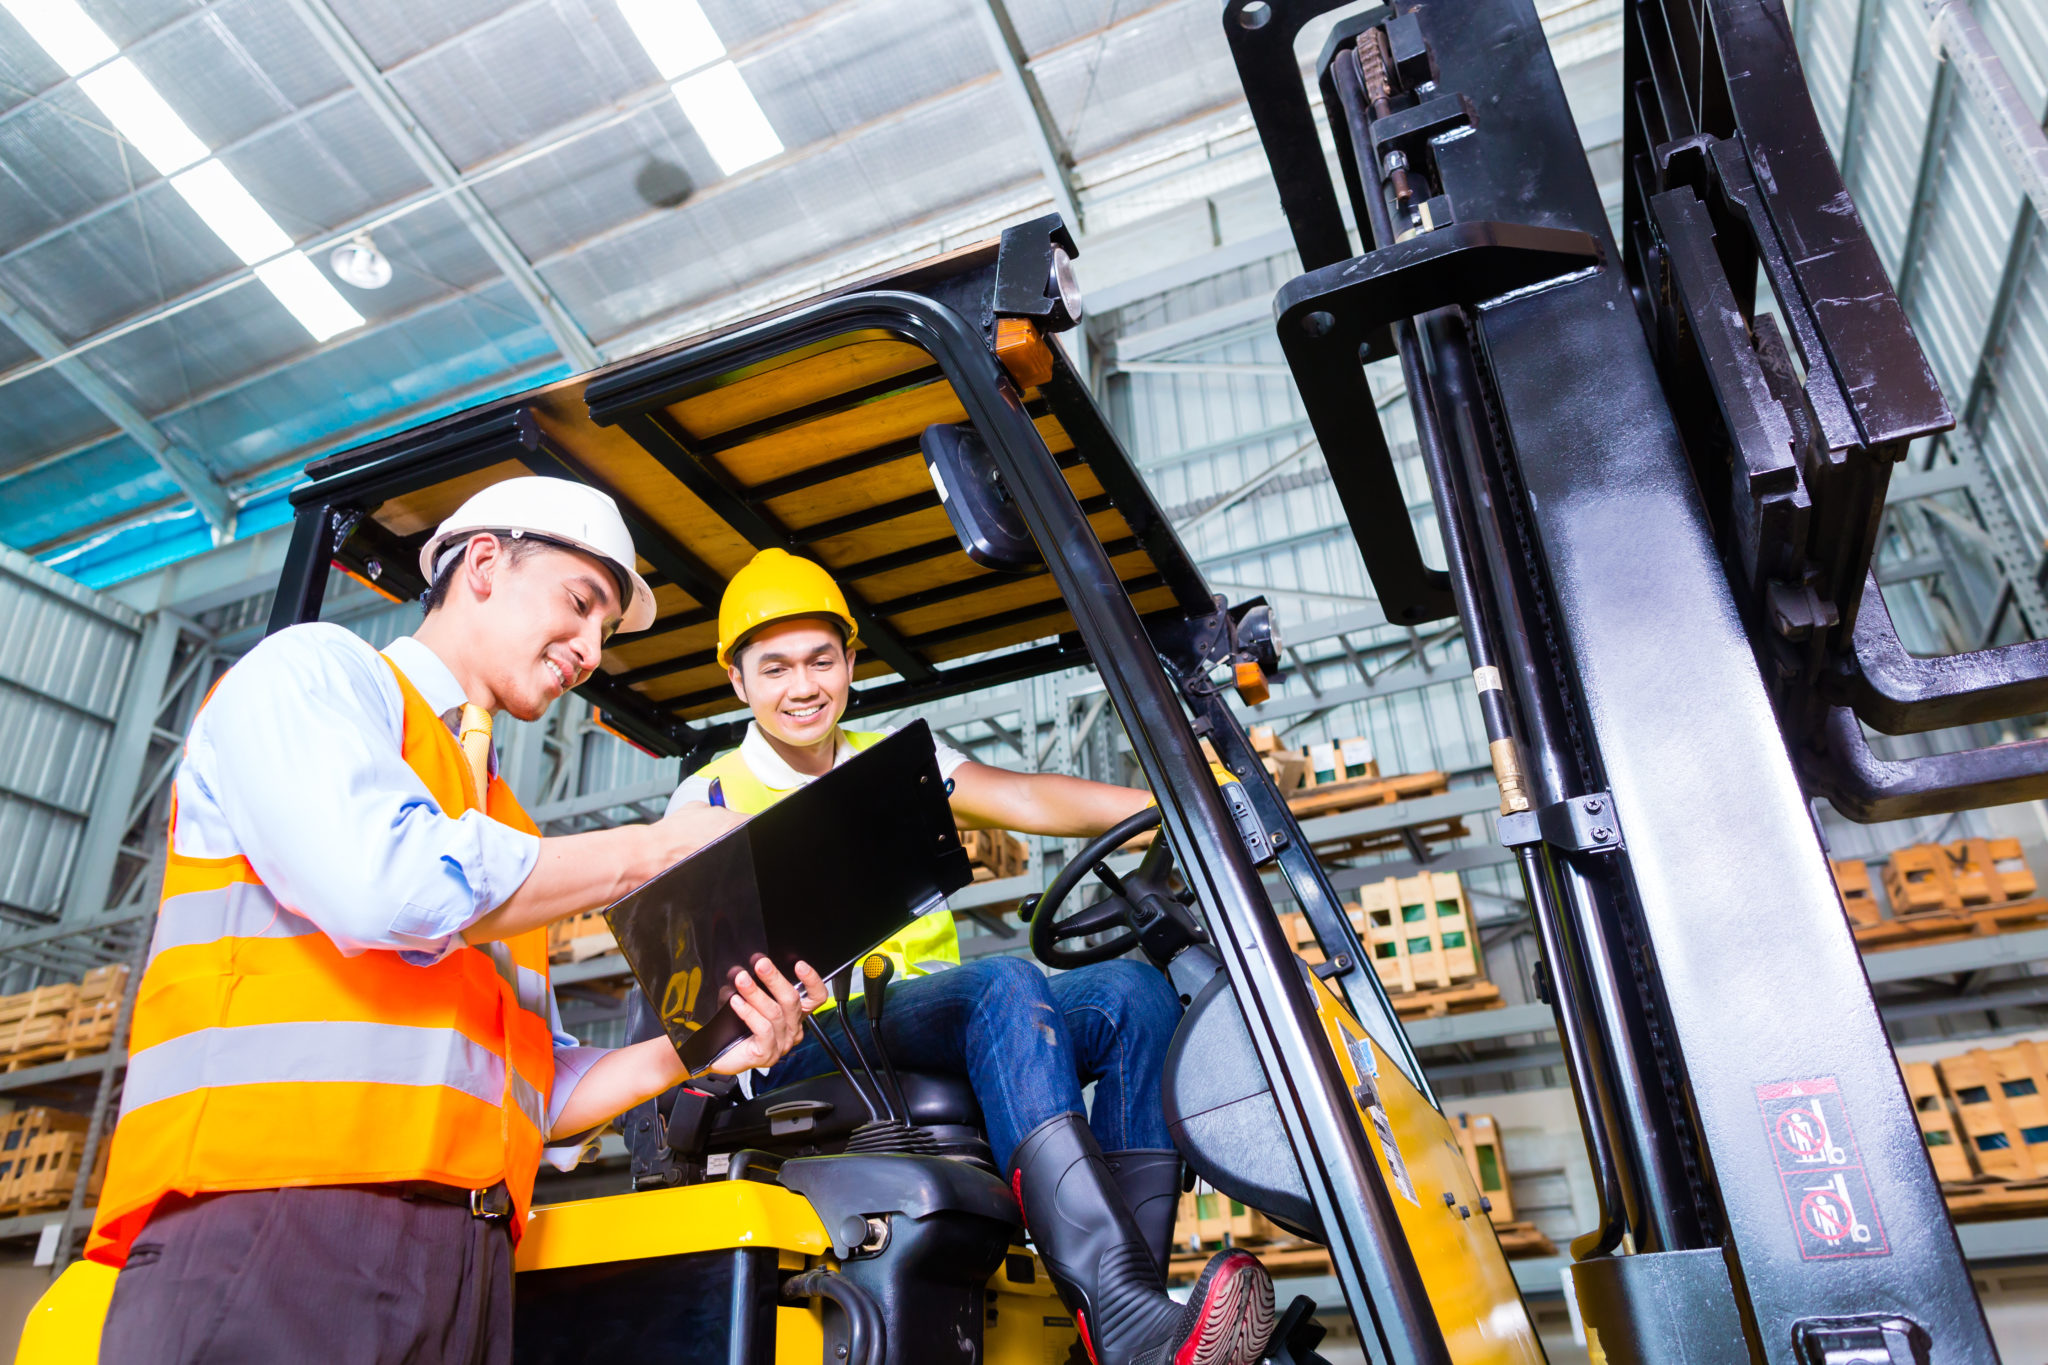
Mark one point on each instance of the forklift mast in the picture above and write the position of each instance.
(1658, 507)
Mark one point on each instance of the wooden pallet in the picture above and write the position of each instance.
(1523, 1239)
(1358, 793)
(1434, 1004)
(1284, 1259)
(40, 1002)
(1951, 925)
(1987, 1199)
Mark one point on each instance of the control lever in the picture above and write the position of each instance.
(878, 968)
(825, 1040)
(841, 987)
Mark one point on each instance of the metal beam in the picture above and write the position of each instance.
(191, 477)
(1013, 63)
(127, 749)
(1868, 17)
(363, 73)
(2015, 128)
(1941, 115)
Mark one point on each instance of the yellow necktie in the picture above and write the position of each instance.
(474, 735)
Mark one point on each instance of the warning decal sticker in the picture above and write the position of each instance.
(1827, 1191)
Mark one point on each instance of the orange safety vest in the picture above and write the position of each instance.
(260, 1057)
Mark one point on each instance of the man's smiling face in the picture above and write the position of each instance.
(795, 675)
(549, 613)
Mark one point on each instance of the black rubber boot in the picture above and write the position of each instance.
(1105, 1272)
(1149, 1181)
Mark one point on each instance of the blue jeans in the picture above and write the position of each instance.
(1027, 1044)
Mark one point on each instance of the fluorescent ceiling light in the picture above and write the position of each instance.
(140, 115)
(231, 211)
(307, 294)
(675, 33)
(73, 41)
(728, 117)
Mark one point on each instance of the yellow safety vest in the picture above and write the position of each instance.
(930, 944)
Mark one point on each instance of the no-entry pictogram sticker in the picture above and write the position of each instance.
(1827, 1191)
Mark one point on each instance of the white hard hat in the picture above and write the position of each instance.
(561, 510)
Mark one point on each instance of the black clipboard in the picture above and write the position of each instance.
(823, 876)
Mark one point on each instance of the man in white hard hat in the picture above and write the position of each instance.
(346, 1061)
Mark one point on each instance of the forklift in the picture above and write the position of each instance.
(1657, 514)
(784, 1227)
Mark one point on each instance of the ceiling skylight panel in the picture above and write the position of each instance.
(142, 117)
(232, 212)
(727, 117)
(307, 294)
(676, 34)
(679, 40)
(63, 30)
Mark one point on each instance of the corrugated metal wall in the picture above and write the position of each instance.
(1946, 212)
(65, 656)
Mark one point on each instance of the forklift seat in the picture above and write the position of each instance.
(821, 1112)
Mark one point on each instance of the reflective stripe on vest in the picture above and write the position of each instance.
(323, 1050)
(262, 1057)
(927, 944)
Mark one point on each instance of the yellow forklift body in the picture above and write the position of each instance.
(716, 1216)
(64, 1326)
(1471, 1288)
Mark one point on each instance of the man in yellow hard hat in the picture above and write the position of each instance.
(346, 1061)
(1099, 1193)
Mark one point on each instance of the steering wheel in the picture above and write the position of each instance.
(1149, 914)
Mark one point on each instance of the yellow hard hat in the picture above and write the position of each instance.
(775, 586)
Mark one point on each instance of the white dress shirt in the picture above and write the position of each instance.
(296, 764)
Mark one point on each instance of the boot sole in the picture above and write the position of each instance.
(1234, 1320)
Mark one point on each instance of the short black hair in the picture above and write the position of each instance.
(517, 548)
(739, 651)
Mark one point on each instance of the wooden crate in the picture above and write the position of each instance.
(1434, 1004)
(104, 983)
(1208, 1219)
(1986, 1199)
(1340, 760)
(42, 1000)
(1947, 926)
(580, 938)
(46, 1169)
(1918, 881)
(20, 1133)
(2001, 1100)
(1419, 931)
(1990, 872)
(1969, 873)
(995, 854)
(90, 1027)
(1945, 1146)
(1859, 901)
(1479, 1139)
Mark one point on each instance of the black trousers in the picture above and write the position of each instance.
(346, 1274)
